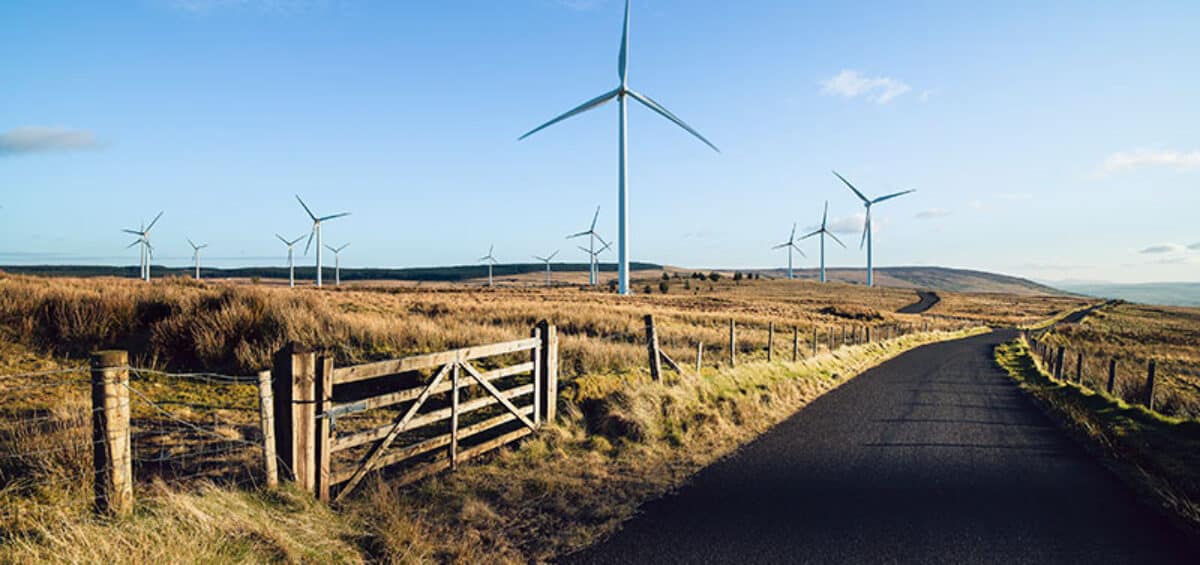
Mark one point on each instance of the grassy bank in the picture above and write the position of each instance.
(620, 441)
(1158, 455)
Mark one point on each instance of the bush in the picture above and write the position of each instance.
(737, 277)
(663, 287)
(714, 276)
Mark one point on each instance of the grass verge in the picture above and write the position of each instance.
(1158, 455)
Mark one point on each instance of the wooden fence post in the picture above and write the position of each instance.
(652, 349)
(699, 357)
(549, 366)
(795, 343)
(535, 357)
(816, 341)
(732, 343)
(324, 426)
(1112, 375)
(455, 374)
(266, 419)
(832, 336)
(770, 341)
(1150, 370)
(1058, 363)
(868, 334)
(1079, 368)
(295, 414)
(112, 456)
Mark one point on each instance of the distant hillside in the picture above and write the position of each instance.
(932, 278)
(1164, 294)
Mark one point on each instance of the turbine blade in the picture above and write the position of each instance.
(345, 245)
(190, 242)
(133, 232)
(584, 249)
(552, 255)
(332, 216)
(646, 101)
(809, 235)
(310, 238)
(798, 250)
(580, 234)
(600, 239)
(281, 239)
(594, 218)
(891, 196)
(310, 214)
(825, 216)
(295, 241)
(589, 105)
(154, 221)
(135, 242)
(866, 228)
(860, 195)
(782, 245)
(623, 58)
(330, 247)
(793, 236)
(839, 242)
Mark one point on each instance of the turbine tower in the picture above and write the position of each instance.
(824, 232)
(196, 255)
(547, 260)
(291, 263)
(591, 248)
(337, 263)
(147, 250)
(622, 93)
(868, 203)
(316, 231)
(790, 244)
(491, 261)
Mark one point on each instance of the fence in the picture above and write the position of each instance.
(1136, 380)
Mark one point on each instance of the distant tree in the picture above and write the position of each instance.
(666, 277)
(737, 276)
(687, 285)
(648, 290)
(714, 276)
(664, 286)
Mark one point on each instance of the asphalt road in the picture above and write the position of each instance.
(933, 457)
(927, 300)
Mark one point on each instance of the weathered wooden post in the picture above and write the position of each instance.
(832, 337)
(549, 369)
(266, 419)
(1058, 362)
(770, 341)
(652, 349)
(732, 343)
(324, 423)
(455, 374)
(795, 343)
(699, 357)
(816, 341)
(1112, 375)
(867, 333)
(295, 414)
(1150, 370)
(112, 457)
(1079, 368)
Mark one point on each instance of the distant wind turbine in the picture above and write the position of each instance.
(337, 263)
(316, 231)
(790, 244)
(291, 262)
(547, 260)
(591, 248)
(147, 250)
(491, 261)
(824, 232)
(621, 93)
(196, 255)
(595, 256)
(867, 236)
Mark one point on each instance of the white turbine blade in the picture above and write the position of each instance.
(603, 249)
(482, 259)
(310, 238)
(793, 236)
(135, 242)
(202, 246)
(542, 259)
(798, 250)
(818, 232)
(584, 249)
(132, 232)
(623, 58)
(552, 255)
(646, 101)
(594, 218)
(580, 234)
(891, 196)
(330, 247)
(310, 214)
(600, 239)
(860, 195)
(839, 242)
(825, 216)
(332, 216)
(190, 242)
(782, 245)
(295, 241)
(344, 246)
(866, 228)
(285, 242)
(589, 105)
(154, 221)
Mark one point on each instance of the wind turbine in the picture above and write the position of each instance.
(790, 244)
(147, 250)
(621, 94)
(291, 263)
(868, 203)
(591, 248)
(595, 256)
(316, 231)
(824, 232)
(547, 260)
(337, 263)
(491, 261)
(196, 255)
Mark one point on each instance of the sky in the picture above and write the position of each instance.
(1051, 140)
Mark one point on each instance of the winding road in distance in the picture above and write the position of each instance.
(928, 299)
(933, 457)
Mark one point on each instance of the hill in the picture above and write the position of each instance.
(930, 278)
(1164, 294)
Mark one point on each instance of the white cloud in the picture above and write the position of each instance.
(932, 213)
(851, 84)
(1194, 246)
(926, 95)
(1128, 160)
(41, 139)
(1159, 249)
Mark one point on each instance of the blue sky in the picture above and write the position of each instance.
(1055, 140)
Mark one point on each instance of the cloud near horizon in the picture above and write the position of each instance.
(41, 139)
(1159, 249)
(932, 213)
(1129, 160)
(851, 84)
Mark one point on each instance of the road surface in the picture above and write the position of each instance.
(933, 457)
(927, 300)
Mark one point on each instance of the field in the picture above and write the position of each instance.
(620, 439)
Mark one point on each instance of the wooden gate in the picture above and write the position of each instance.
(428, 412)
